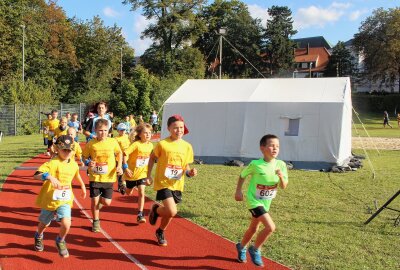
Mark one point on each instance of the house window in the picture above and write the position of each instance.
(292, 127)
(304, 65)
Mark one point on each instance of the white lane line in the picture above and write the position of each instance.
(115, 243)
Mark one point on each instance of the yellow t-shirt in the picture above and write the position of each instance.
(103, 153)
(138, 159)
(133, 123)
(123, 141)
(172, 159)
(77, 152)
(58, 132)
(65, 172)
(45, 128)
(53, 124)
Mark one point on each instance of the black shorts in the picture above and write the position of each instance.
(258, 211)
(166, 193)
(104, 190)
(135, 183)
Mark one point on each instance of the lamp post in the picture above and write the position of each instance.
(23, 54)
(221, 32)
(310, 68)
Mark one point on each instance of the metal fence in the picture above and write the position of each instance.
(20, 119)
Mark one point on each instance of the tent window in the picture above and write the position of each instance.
(292, 128)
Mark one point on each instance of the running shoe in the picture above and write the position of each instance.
(153, 214)
(62, 249)
(241, 253)
(255, 256)
(140, 218)
(96, 226)
(161, 238)
(39, 246)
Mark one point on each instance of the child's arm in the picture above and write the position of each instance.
(149, 179)
(119, 163)
(128, 171)
(239, 193)
(282, 183)
(83, 187)
(46, 176)
(190, 172)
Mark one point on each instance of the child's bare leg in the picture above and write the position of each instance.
(129, 191)
(41, 227)
(95, 207)
(167, 211)
(104, 201)
(253, 227)
(141, 197)
(269, 228)
(64, 229)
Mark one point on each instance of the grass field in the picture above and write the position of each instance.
(373, 123)
(319, 217)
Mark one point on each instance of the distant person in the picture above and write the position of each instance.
(74, 122)
(386, 119)
(68, 116)
(45, 129)
(154, 121)
(132, 121)
(123, 142)
(77, 150)
(266, 174)
(127, 124)
(398, 120)
(90, 130)
(173, 156)
(56, 196)
(141, 121)
(53, 123)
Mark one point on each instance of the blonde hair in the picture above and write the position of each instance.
(135, 134)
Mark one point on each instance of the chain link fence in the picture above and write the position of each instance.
(20, 119)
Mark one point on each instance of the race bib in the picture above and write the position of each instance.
(142, 161)
(51, 133)
(173, 172)
(100, 168)
(62, 194)
(266, 192)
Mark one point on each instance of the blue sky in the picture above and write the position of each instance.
(335, 20)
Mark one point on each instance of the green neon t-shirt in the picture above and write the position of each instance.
(263, 182)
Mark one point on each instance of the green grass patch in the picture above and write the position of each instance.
(373, 123)
(319, 217)
(14, 150)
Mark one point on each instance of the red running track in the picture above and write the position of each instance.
(189, 246)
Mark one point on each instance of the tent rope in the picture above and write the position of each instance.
(362, 124)
(365, 150)
(243, 56)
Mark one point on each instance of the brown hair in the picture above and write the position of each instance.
(139, 129)
(101, 122)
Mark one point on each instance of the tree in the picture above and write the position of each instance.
(278, 45)
(341, 62)
(174, 26)
(243, 32)
(378, 41)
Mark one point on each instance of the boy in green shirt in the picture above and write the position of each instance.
(266, 175)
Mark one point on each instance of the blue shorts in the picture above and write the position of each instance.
(46, 216)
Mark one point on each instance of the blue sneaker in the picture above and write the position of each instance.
(241, 253)
(255, 255)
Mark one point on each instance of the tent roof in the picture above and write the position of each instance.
(262, 90)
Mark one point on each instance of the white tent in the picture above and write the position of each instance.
(227, 118)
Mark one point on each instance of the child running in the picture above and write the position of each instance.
(56, 196)
(77, 152)
(136, 160)
(266, 174)
(100, 155)
(53, 123)
(123, 141)
(173, 156)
